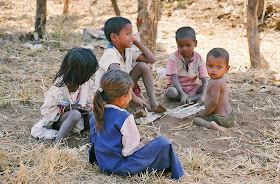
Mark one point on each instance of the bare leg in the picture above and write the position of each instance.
(193, 98)
(66, 123)
(86, 120)
(172, 93)
(207, 124)
(142, 69)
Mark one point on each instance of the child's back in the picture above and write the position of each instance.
(116, 144)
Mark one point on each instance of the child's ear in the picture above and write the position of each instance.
(195, 43)
(228, 67)
(122, 100)
(113, 37)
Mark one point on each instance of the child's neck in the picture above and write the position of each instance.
(119, 48)
(188, 59)
(116, 104)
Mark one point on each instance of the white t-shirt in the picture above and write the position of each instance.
(111, 55)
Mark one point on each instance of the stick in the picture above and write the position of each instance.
(152, 122)
(181, 126)
(187, 108)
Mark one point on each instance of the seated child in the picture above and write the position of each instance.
(119, 56)
(183, 67)
(71, 96)
(218, 112)
(116, 144)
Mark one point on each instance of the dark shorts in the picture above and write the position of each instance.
(137, 90)
(221, 120)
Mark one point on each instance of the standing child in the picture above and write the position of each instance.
(183, 67)
(71, 96)
(218, 112)
(120, 56)
(116, 144)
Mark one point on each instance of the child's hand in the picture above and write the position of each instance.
(146, 140)
(87, 108)
(81, 109)
(201, 113)
(201, 100)
(184, 99)
(134, 40)
(78, 107)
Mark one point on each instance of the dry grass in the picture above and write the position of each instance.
(248, 154)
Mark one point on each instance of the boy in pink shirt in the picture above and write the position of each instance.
(183, 68)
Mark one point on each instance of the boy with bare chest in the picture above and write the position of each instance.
(218, 113)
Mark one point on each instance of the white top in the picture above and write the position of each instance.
(111, 55)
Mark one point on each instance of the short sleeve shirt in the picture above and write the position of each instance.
(111, 55)
(196, 68)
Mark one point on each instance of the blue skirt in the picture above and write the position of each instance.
(157, 155)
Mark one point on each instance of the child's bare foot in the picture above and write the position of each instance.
(159, 108)
(139, 114)
(214, 125)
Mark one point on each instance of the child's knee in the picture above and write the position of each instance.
(75, 115)
(163, 141)
(144, 66)
(172, 92)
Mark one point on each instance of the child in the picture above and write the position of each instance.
(218, 112)
(119, 56)
(116, 144)
(183, 67)
(71, 96)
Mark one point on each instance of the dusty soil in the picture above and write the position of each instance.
(247, 153)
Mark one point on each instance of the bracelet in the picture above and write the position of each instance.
(60, 110)
(63, 110)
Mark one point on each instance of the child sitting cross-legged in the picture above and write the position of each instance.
(116, 144)
(119, 55)
(68, 103)
(218, 112)
(183, 68)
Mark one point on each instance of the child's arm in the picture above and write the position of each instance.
(144, 140)
(177, 85)
(213, 99)
(147, 55)
(114, 66)
(130, 136)
(204, 88)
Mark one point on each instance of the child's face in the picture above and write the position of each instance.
(186, 46)
(216, 67)
(126, 99)
(125, 37)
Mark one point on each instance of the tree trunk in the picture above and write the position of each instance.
(147, 21)
(253, 33)
(65, 8)
(40, 20)
(116, 8)
(260, 9)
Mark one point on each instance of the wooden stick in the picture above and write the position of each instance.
(181, 126)
(152, 122)
(187, 108)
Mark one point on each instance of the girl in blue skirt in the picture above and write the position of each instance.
(116, 144)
